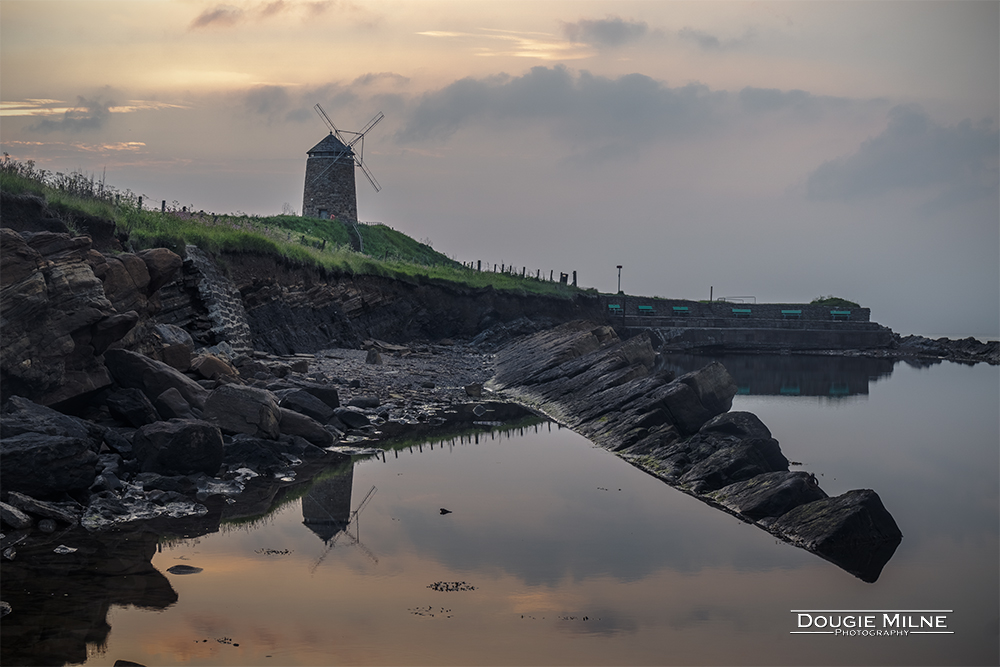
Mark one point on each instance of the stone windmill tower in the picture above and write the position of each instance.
(330, 189)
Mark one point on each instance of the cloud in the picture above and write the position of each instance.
(600, 115)
(88, 114)
(800, 102)
(227, 16)
(224, 16)
(709, 42)
(960, 161)
(267, 101)
(376, 77)
(611, 31)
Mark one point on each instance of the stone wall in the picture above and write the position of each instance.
(330, 187)
(205, 303)
(721, 312)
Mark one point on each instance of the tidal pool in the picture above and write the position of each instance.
(555, 552)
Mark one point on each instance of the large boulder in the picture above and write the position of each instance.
(131, 369)
(734, 460)
(126, 280)
(131, 407)
(179, 447)
(324, 392)
(239, 409)
(305, 403)
(295, 423)
(210, 367)
(42, 466)
(770, 495)
(161, 265)
(853, 530)
(171, 345)
(19, 415)
(56, 318)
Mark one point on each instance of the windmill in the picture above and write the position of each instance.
(330, 189)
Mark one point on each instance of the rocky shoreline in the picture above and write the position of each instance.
(150, 393)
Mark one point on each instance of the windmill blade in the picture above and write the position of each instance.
(371, 177)
(367, 128)
(329, 123)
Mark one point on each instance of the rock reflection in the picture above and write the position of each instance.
(791, 375)
(60, 602)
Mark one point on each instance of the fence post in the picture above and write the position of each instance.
(574, 279)
(163, 206)
(479, 265)
(551, 274)
(140, 203)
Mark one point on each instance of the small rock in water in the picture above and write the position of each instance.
(444, 511)
(184, 569)
(4, 608)
(63, 549)
(47, 526)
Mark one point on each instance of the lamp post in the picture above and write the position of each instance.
(619, 278)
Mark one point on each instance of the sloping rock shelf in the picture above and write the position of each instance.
(681, 431)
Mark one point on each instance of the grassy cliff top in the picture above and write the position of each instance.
(314, 242)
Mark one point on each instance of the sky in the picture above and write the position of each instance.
(775, 150)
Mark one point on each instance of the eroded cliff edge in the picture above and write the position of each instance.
(681, 430)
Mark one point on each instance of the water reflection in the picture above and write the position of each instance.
(791, 375)
(61, 601)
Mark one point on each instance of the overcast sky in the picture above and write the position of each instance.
(776, 150)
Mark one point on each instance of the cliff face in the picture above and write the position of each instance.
(291, 309)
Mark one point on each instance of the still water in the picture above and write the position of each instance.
(558, 553)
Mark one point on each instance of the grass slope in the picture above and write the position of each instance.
(309, 241)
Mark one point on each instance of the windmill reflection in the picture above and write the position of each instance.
(326, 511)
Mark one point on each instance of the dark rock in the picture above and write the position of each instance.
(152, 377)
(56, 318)
(352, 418)
(299, 366)
(364, 402)
(474, 390)
(181, 484)
(373, 357)
(739, 424)
(47, 526)
(323, 392)
(733, 460)
(179, 447)
(427, 384)
(211, 367)
(852, 530)
(170, 344)
(770, 495)
(66, 513)
(171, 405)
(306, 403)
(294, 423)
(132, 407)
(118, 443)
(126, 280)
(13, 517)
(184, 569)
(238, 409)
(42, 465)
(161, 265)
(260, 455)
(23, 416)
